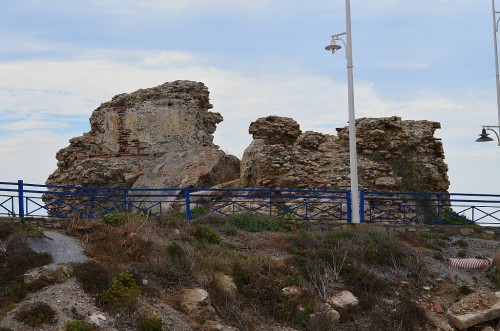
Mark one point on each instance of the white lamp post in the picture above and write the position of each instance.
(484, 137)
(353, 160)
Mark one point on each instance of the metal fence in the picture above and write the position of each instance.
(33, 200)
(19, 199)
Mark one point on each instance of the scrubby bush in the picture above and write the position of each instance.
(253, 222)
(121, 292)
(230, 230)
(37, 314)
(93, 276)
(151, 324)
(113, 218)
(175, 251)
(78, 325)
(205, 234)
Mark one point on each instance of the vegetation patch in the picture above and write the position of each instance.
(17, 259)
(114, 218)
(94, 277)
(205, 234)
(78, 325)
(121, 292)
(151, 324)
(253, 222)
(36, 314)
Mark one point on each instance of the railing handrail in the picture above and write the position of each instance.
(25, 199)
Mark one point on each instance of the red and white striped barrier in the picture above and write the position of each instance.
(470, 263)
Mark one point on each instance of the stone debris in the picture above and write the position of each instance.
(475, 308)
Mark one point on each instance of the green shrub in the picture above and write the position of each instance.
(175, 251)
(230, 230)
(33, 231)
(151, 324)
(121, 292)
(426, 234)
(113, 218)
(205, 234)
(462, 253)
(292, 280)
(298, 315)
(253, 222)
(333, 238)
(465, 289)
(78, 325)
(461, 243)
(37, 314)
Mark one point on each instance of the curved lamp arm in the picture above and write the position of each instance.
(489, 128)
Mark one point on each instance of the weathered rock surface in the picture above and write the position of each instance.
(156, 137)
(393, 155)
(474, 309)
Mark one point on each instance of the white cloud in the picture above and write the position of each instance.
(32, 125)
(65, 88)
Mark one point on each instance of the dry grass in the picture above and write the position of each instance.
(360, 259)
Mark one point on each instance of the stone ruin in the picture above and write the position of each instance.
(162, 137)
(152, 138)
(393, 155)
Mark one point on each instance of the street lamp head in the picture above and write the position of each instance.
(333, 47)
(483, 137)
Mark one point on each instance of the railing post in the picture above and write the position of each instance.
(348, 201)
(188, 204)
(20, 193)
(270, 203)
(438, 196)
(125, 206)
(361, 206)
(91, 206)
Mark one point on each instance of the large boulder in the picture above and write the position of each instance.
(393, 155)
(156, 137)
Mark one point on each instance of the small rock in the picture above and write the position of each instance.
(97, 318)
(211, 325)
(193, 298)
(466, 231)
(427, 288)
(488, 235)
(292, 291)
(343, 299)
(145, 282)
(329, 317)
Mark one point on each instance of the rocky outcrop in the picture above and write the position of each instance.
(393, 155)
(156, 137)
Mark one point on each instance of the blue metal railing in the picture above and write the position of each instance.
(432, 207)
(35, 200)
(19, 199)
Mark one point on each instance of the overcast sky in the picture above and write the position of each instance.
(418, 59)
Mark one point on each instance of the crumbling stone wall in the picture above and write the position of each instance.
(393, 155)
(151, 138)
